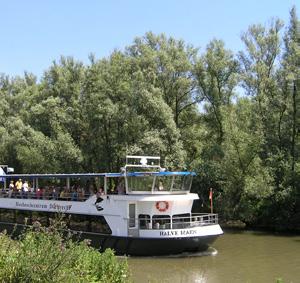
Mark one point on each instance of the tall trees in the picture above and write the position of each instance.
(216, 74)
(168, 64)
(290, 87)
(125, 114)
(162, 97)
(289, 83)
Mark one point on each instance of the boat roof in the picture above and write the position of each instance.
(93, 175)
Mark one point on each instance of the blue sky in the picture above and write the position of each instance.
(34, 33)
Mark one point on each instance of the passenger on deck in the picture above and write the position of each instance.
(68, 194)
(39, 193)
(99, 195)
(160, 186)
(11, 188)
(31, 192)
(74, 195)
(62, 195)
(54, 193)
(25, 189)
(18, 186)
(101, 191)
(81, 195)
(121, 188)
(45, 192)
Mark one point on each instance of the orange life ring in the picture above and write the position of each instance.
(162, 206)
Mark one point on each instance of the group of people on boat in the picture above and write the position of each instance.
(24, 190)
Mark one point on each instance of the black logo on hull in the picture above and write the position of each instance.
(97, 204)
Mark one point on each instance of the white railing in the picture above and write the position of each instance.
(172, 222)
(45, 195)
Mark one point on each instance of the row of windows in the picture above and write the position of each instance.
(77, 222)
(161, 183)
(178, 220)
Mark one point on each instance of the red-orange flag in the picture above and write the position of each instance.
(211, 199)
(210, 194)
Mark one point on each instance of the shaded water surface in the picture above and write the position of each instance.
(235, 257)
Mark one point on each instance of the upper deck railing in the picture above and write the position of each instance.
(135, 161)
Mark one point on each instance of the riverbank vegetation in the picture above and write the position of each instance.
(45, 255)
(233, 118)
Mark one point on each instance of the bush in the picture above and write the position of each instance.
(44, 255)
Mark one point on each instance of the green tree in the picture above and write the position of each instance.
(125, 114)
(216, 74)
(167, 64)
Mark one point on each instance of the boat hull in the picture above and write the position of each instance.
(133, 246)
(157, 247)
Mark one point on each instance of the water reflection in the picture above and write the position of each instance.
(210, 252)
(236, 257)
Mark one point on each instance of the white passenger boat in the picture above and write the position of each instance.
(149, 212)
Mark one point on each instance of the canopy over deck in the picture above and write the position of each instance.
(93, 175)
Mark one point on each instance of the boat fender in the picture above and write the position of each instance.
(162, 206)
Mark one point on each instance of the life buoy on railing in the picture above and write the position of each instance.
(162, 206)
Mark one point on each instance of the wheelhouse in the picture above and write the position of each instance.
(144, 175)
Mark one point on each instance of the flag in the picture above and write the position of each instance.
(211, 199)
(210, 194)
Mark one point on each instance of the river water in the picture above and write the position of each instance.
(243, 256)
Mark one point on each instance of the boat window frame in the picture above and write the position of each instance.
(147, 219)
(132, 219)
(183, 189)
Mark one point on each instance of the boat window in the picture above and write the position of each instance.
(182, 183)
(161, 222)
(41, 217)
(99, 225)
(132, 215)
(187, 182)
(78, 222)
(177, 183)
(163, 183)
(23, 217)
(144, 221)
(140, 183)
(7, 215)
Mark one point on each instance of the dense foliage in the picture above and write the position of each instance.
(233, 118)
(44, 255)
